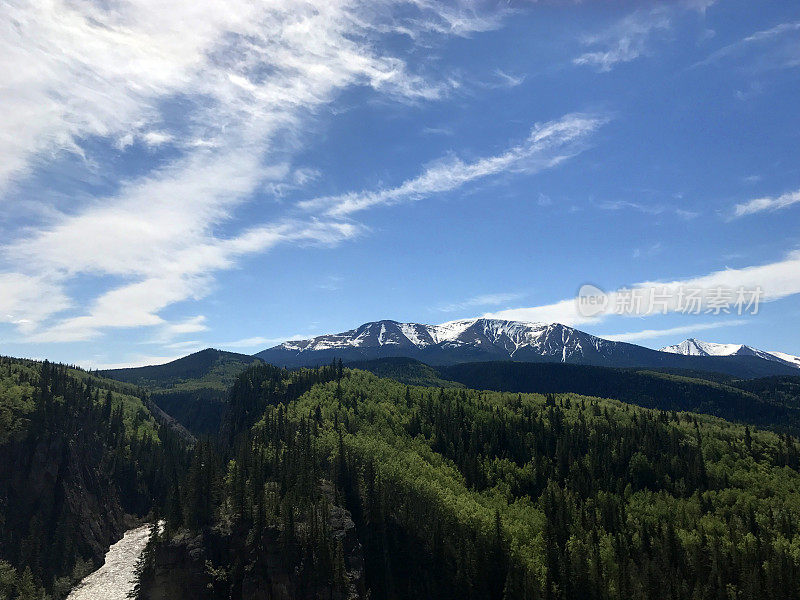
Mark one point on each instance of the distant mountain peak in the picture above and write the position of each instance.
(461, 340)
(695, 347)
(387, 333)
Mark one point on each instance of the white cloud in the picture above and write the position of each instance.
(230, 85)
(509, 80)
(631, 37)
(626, 40)
(190, 325)
(779, 49)
(25, 300)
(260, 343)
(188, 346)
(187, 276)
(548, 145)
(650, 209)
(648, 334)
(156, 138)
(563, 311)
(482, 300)
(766, 204)
(136, 360)
(777, 280)
(75, 69)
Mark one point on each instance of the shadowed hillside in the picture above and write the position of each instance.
(192, 389)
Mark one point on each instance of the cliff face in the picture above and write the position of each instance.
(55, 481)
(222, 565)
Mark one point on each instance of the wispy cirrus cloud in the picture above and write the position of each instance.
(766, 204)
(546, 146)
(478, 301)
(626, 40)
(778, 48)
(509, 80)
(79, 69)
(228, 88)
(631, 37)
(261, 343)
(649, 334)
(650, 209)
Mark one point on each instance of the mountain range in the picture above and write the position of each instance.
(482, 339)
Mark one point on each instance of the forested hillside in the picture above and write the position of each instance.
(334, 483)
(456, 493)
(406, 370)
(780, 390)
(768, 402)
(192, 389)
(80, 458)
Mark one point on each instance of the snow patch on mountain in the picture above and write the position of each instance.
(794, 360)
(510, 335)
(693, 347)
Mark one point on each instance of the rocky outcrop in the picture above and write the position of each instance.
(168, 420)
(180, 570)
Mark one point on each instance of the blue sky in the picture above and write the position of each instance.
(232, 174)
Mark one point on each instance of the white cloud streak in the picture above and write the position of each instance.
(649, 209)
(782, 51)
(260, 343)
(548, 145)
(626, 40)
(631, 37)
(187, 277)
(777, 280)
(649, 334)
(136, 360)
(482, 300)
(75, 69)
(509, 80)
(758, 205)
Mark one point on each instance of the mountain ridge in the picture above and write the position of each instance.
(483, 339)
(192, 389)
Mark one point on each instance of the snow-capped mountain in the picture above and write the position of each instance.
(693, 347)
(504, 339)
(481, 339)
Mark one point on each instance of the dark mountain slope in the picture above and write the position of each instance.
(404, 370)
(645, 388)
(780, 390)
(209, 367)
(192, 389)
(770, 402)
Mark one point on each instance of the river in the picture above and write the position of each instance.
(115, 579)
